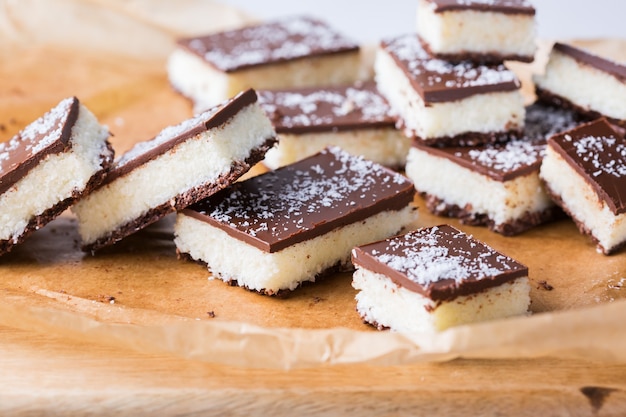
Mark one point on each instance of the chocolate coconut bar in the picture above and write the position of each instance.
(445, 104)
(496, 185)
(181, 165)
(477, 30)
(296, 223)
(48, 166)
(432, 279)
(356, 118)
(296, 52)
(590, 84)
(585, 173)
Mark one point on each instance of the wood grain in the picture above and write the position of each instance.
(46, 374)
(42, 374)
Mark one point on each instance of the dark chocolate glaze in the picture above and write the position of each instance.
(304, 200)
(613, 68)
(517, 157)
(598, 154)
(441, 263)
(170, 137)
(466, 139)
(496, 6)
(268, 43)
(439, 81)
(327, 109)
(489, 58)
(50, 134)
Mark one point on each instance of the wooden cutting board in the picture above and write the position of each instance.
(140, 281)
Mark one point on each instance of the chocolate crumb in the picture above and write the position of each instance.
(106, 299)
(211, 314)
(3, 128)
(596, 396)
(545, 286)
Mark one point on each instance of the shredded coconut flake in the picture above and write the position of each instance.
(430, 72)
(605, 155)
(295, 197)
(324, 107)
(427, 256)
(39, 135)
(289, 39)
(165, 136)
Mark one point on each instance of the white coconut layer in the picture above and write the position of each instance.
(56, 178)
(584, 85)
(207, 86)
(382, 302)
(287, 268)
(199, 160)
(479, 113)
(463, 31)
(582, 202)
(387, 147)
(502, 201)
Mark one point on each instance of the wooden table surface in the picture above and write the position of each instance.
(43, 374)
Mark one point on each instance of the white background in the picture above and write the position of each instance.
(368, 21)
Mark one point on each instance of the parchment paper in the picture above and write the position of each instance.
(111, 54)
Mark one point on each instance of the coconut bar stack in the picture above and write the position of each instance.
(475, 155)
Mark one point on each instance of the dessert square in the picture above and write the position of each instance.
(495, 185)
(48, 166)
(590, 84)
(445, 104)
(431, 279)
(478, 30)
(181, 165)
(584, 170)
(296, 223)
(296, 52)
(356, 118)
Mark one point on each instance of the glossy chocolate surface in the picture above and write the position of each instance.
(518, 157)
(496, 6)
(171, 136)
(441, 263)
(613, 68)
(269, 43)
(436, 80)
(598, 154)
(327, 109)
(304, 200)
(47, 135)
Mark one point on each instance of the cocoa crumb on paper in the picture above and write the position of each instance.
(544, 285)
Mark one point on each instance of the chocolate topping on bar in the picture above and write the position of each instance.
(441, 263)
(598, 154)
(613, 68)
(269, 43)
(171, 136)
(506, 161)
(47, 135)
(327, 109)
(497, 6)
(437, 80)
(304, 200)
